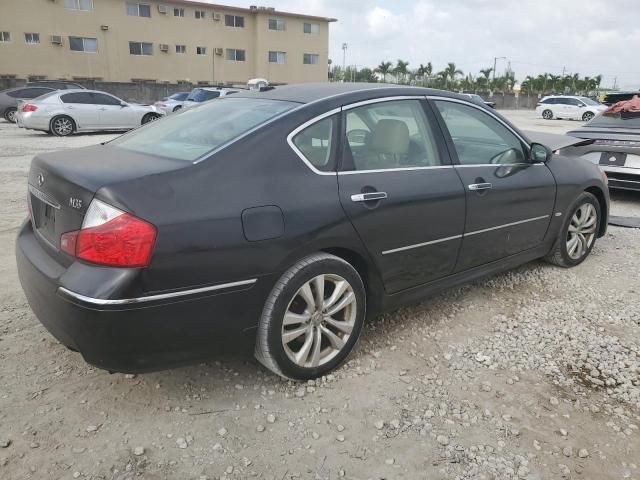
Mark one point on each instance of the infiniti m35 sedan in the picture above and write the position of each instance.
(290, 217)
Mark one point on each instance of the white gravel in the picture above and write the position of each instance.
(529, 374)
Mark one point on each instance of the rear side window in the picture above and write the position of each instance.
(198, 131)
(315, 143)
(102, 99)
(77, 98)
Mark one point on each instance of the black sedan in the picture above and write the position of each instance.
(289, 217)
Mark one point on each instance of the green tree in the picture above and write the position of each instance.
(401, 70)
(383, 69)
(449, 75)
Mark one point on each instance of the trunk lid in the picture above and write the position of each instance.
(62, 184)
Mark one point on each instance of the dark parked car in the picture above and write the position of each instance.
(55, 84)
(289, 216)
(611, 141)
(9, 99)
(615, 97)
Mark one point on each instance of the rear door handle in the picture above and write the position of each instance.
(368, 197)
(480, 186)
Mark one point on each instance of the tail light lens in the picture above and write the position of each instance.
(161, 105)
(111, 237)
(29, 107)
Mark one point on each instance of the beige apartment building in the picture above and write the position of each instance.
(163, 41)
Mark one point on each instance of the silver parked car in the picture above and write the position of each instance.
(68, 111)
(172, 103)
(204, 94)
(10, 98)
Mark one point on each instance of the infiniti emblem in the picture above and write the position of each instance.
(40, 179)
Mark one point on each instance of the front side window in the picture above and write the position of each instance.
(235, 55)
(479, 138)
(5, 36)
(201, 50)
(178, 12)
(140, 48)
(276, 24)
(181, 49)
(315, 143)
(83, 44)
(198, 131)
(84, 5)
(32, 37)
(389, 135)
(200, 14)
(138, 10)
(234, 21)
(102, 99)
(311, 59)
(311, 28)
(277, 57)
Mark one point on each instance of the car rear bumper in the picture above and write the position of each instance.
(126, 336)
(30, 121)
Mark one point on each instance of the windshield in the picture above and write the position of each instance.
(588, 101)
(197, 131)
(180, 96)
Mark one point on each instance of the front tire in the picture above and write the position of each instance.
(62, 126)
(150, 117)
(578, 234)
(177, 108)
(547, 114)
(587, 116)
(312, 318)
(10, 115)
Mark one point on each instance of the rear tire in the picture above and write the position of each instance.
(547, 114)
(312, 318)
(10, 115)
(62, 126)
(587, 116)
(176, 108)
(578, 233)
(150, 117)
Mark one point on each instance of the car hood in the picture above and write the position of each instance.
(553, 140)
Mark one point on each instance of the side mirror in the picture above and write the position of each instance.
(124, 104)
(540, 153)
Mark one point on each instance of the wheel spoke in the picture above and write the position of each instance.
(335, 341)
(339, 289)
(307, 295)
(582, 244)
(317, 345)
(290, 335)
(318, 282)
(303, 353)
(291, 318)
(346, 300)
(572, 245)
(340, 325)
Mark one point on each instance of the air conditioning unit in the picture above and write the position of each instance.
(217, 17)
(104, 28)
(219, 51)
(56, 39)
(164, 47)
(163, 9)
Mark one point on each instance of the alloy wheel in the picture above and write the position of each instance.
(319, 320)
(62, 126)
(587, 116)
(547, 114)
(11, 116)
(582, 231)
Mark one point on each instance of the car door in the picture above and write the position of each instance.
(574, 108)
(510, 200)
(80, 107)
(112, 115)
(400, 191)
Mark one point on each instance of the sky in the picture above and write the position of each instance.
(588, 37)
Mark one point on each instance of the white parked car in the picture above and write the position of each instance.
(568, 107)
(204, 94)
(172, 103)
(65, 112)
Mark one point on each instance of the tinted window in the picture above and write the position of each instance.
(478, 137)
(200, 95)
(549, 101)
(196, 132)
(389, 135)
(572, 101)
(315, 143)
(76, 98)
(29, 92)
(102, 99)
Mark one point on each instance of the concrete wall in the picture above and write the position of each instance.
(509, 101)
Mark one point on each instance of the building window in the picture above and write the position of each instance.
(278, 57)
(201, 14)
(138, 10)
(312, 28)
(140, 48)
(311, 59)
(82, 44)
(234, 21)
(84, 5)
(236, 55)
(178, 12)
(32, 37)
(5, 37)
(181, 49)
(276, 24)
(201, 50)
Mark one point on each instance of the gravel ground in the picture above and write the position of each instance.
(534, 373)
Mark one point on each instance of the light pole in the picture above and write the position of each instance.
(344, 60)
(495, 59)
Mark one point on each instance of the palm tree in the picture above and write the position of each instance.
(486, 72)
(383, 69)
(401, 70)
(450, 73)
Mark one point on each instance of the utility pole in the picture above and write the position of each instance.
(344, 60)
(615, 82)
(495, 59)
(563, 70)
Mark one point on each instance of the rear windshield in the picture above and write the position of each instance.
(200, 95)
(624, 120)
(197, 131)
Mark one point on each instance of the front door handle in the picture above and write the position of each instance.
(368, 197)
(480, 186)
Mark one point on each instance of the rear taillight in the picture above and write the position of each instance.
(161, 105)
(111, 237)
(538, 104)
(29, 107)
